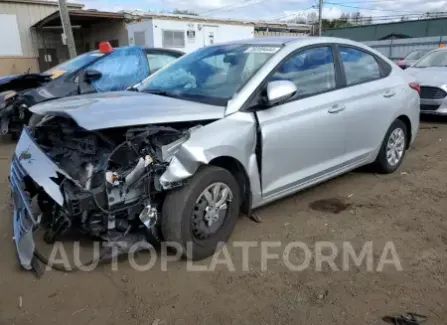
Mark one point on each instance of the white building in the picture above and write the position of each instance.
(188, 33)
(31, 32)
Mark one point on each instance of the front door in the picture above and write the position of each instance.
(209, 35)
(303, 139)
(47, 59)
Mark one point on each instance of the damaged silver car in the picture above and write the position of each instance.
(223, 130)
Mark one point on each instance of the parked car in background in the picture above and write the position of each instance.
(412, 57)
(225, 129)
(108, 69)
(431, 73)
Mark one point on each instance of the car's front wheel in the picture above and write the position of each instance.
(393, 148)
(202, 213)
(34, 119)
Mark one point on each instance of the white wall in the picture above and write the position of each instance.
(222, 32)
(11, 44)
(145, 26)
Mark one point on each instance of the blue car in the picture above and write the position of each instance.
(107, 69)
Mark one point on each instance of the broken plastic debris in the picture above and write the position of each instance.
(405, 319)
(255, 217)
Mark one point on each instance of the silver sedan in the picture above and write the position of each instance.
(223, 130)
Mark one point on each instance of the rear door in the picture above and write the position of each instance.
(371, 95)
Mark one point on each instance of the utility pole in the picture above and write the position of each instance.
(65, 20)
(320, 17)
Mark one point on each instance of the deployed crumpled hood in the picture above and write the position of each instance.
(435, 76)
(127, 108)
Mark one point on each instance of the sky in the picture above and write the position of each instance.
(381, 10)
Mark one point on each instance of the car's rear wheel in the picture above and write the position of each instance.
(203, 213)
(393, 148)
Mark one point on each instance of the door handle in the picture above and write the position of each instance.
(337, 108)
(389, 93)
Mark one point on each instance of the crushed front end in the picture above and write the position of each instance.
(102, 183)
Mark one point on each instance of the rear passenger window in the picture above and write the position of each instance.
(312, 71)
(359, 66)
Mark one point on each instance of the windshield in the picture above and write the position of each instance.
(415, 55)
(433, 59)
(210, 75)
(75, 64)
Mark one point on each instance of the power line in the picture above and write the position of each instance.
(423, 16)
(362, 8)
(291, 14)
(238, 5)
(367, 1)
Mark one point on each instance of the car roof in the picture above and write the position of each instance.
(294, 41)
(152, 49)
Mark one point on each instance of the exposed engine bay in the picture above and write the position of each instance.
(113, 192)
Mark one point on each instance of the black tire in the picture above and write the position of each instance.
(178, 209)
(381, 165)
(15, 136)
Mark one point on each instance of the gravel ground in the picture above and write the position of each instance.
(406, 208)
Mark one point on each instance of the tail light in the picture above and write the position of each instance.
(415, 86)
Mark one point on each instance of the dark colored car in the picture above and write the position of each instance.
(108, 69)
(411, 58)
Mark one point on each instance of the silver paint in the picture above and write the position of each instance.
(236, 138)
(127, 108)
(304, 142)
(280, 90)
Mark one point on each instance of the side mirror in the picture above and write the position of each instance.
(278, 91)
(92, 75)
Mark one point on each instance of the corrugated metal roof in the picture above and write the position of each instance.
(79, 13)
(138, 15)
(45, 2)
(411, 28)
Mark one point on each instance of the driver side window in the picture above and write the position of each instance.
(311, 70)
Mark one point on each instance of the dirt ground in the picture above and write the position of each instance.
(407, 208)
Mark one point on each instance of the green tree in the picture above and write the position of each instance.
(184, 12)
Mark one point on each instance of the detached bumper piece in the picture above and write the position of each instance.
(24, 221)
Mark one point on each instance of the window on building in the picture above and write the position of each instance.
(359, 66)
(140, 38)
(173, 39)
